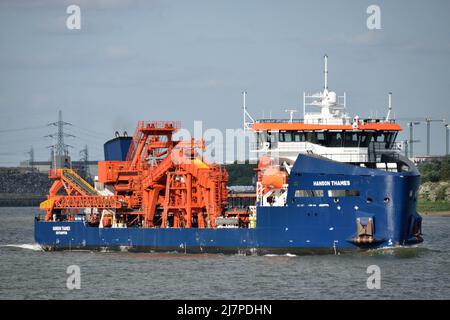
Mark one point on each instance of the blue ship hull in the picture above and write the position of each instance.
(381, 203)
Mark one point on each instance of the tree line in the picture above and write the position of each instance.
(435, 170)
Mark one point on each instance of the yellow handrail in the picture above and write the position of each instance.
(72, 172)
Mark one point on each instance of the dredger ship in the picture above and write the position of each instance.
(326, 183)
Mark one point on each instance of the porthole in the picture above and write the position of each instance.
(369, 200)
(336, 200)
(386, 200)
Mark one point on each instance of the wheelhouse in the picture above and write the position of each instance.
(331, 138)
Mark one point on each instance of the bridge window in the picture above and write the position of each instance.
(335, 139)
(311, 137)
(364, 139)
(317, 138)
(351, 139)
(386, 139)
(390, 139)
(285, 136)
(339, 139)
(308, 193)
(321, 138)
(348, 139)
(299, 136)
(292, 136)
(378, 137)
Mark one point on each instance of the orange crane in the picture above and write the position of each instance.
(162, 183)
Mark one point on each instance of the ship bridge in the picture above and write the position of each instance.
(326, 129)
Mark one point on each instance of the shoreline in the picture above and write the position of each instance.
(16, 201)
(34, 200)
(435, 214)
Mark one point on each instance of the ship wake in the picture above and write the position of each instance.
(27, 246)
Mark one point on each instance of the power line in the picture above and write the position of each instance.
(60, 147)
(87, 135)
(91, 132)
(10, 153)
(22, 129)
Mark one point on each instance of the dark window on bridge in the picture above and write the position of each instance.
(335, 139)
(299, 136)
(292, 136)
(348, 139)
(338, 139)
(377, 137)
(364, 139)
(311, 137)
(317, 138)
(390, 139)
(285, 136)
(351, 139)
(386, 138)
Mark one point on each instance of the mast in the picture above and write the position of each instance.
(291, 114)
(325, 72)
(246, 115)
(389, 107)
(244, 108)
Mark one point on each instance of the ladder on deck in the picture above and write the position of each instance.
(78, 183)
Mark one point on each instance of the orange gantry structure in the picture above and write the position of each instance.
(161, 183)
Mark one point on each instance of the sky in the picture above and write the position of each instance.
(190, 60)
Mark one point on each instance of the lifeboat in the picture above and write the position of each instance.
(273, 178)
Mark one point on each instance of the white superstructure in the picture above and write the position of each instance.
(326, 130)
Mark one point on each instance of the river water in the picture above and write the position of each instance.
(26, 272)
